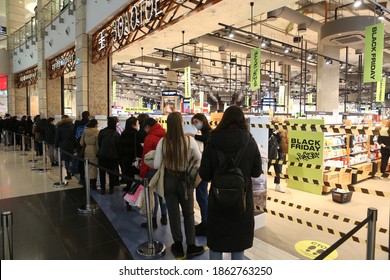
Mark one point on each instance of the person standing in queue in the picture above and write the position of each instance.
(227, 232)
(154, 134)
(64, 139)
(89, 143)
(108, 155)
(176, 150)
(201, 123)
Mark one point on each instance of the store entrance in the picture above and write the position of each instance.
(68, 94)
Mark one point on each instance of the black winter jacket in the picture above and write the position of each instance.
(130, 145)
(50, 133)
(64, 137)
(227, 233)
(108, 144)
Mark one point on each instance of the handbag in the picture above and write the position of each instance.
(132, 198)
(192, 178)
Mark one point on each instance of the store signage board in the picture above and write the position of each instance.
(27, 77)
(187, 82)
(305, 147)
(380, 90)
(373, 53)
(170, 93)
(137, 109)
(255, 68)
(63, 63)
(141, 19)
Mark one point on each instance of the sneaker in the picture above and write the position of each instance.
(164, 220)
(68, 177)
(193, 251)
(54, 164)
(279, 189)
(177, 250)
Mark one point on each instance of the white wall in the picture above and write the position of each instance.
(26, 58)
(63, 37)
(99, 12)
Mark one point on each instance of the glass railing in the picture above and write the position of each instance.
(29, 31)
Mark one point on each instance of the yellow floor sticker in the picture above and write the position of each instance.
(312, 249)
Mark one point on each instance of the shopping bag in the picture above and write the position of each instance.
(132, 198)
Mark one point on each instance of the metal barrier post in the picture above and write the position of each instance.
(152, 248)
(371, 233)
(44, 169)
(61, 183)
(23, 147)
(32, 151)
(14, 141)
(6, 225)
(88, 208)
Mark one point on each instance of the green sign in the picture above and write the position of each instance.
(381, 90)
(373, 53)
(255, 68)
(305, 147)
(187, 82)
(140, 102)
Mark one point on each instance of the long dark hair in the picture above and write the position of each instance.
(175, 147)
(203, 119)
(233, 117)
(129, 124)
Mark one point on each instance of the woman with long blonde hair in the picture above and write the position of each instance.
(176, 150)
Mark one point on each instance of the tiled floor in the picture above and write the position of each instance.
(47, 224)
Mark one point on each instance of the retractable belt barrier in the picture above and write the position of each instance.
(320, 213)
(320, 228)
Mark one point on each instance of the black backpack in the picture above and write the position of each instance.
(228, 190)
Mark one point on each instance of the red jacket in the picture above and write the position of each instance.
(154, 135)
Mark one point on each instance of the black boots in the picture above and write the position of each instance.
(68, 176)
(193, 251)
(177, 250)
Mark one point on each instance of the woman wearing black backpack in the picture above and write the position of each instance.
(230, 231)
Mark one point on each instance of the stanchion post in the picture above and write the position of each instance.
(61, 183)
(6, 225)
(14, 141)
(23, 147)
(152, 248)
(371, 233)
(88, 208)
(44, 169)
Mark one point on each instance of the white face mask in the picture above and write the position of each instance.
(137, 128)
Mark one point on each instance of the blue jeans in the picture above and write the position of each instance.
(202, 199)
(157, 198)
(234, 255)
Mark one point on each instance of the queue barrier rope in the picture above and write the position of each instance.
(321, 228)
(321, 213)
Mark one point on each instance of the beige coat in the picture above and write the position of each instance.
(90, 141)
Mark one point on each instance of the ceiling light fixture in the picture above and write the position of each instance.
(231, 35)
(213, 63)
(328, 61)
(287, 49)
(198, 61)
(357, 3)
(381, 14)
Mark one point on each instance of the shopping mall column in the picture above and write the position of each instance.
(328, 79)
(42, 69)
(92, 82)
(15, 19)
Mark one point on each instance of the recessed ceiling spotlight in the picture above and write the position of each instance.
(357, 3)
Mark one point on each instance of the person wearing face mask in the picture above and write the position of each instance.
(129, 148)
(201, 123)
(154, 133)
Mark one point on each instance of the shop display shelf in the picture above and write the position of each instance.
(357, 143)
(334, 134)
(333, 146)
(357, 163)
(358, 153)
(376, 149)
(335, 157)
